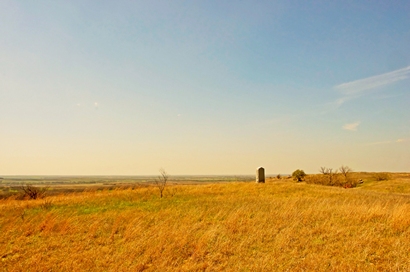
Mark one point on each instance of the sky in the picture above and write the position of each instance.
(203, 87)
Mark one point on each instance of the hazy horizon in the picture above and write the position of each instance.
(130, 176)
(203, 87)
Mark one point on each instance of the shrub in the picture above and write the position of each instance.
(337, 180)
(350, 183)
(33, 192)
(381, 176)
(298, 175)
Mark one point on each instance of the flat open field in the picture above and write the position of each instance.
(208, 226)
(56, 185)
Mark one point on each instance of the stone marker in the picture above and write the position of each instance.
(260, 175)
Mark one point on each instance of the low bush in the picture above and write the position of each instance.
(381, 176)
(33, 192)
(298, 175)
(332, 180)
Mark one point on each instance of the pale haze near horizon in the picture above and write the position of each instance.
(203, 87)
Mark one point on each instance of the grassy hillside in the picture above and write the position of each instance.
(236, 226)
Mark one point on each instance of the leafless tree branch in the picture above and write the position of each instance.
(161, 181)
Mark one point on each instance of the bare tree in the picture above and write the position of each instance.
(345, 170)
(161, 181)
(329, 172)
(324, 170)
(33, 192)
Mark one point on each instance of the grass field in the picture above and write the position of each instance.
(225, 226)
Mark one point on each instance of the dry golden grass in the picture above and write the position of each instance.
(277, 226)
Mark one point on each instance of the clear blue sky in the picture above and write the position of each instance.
(203, 87)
